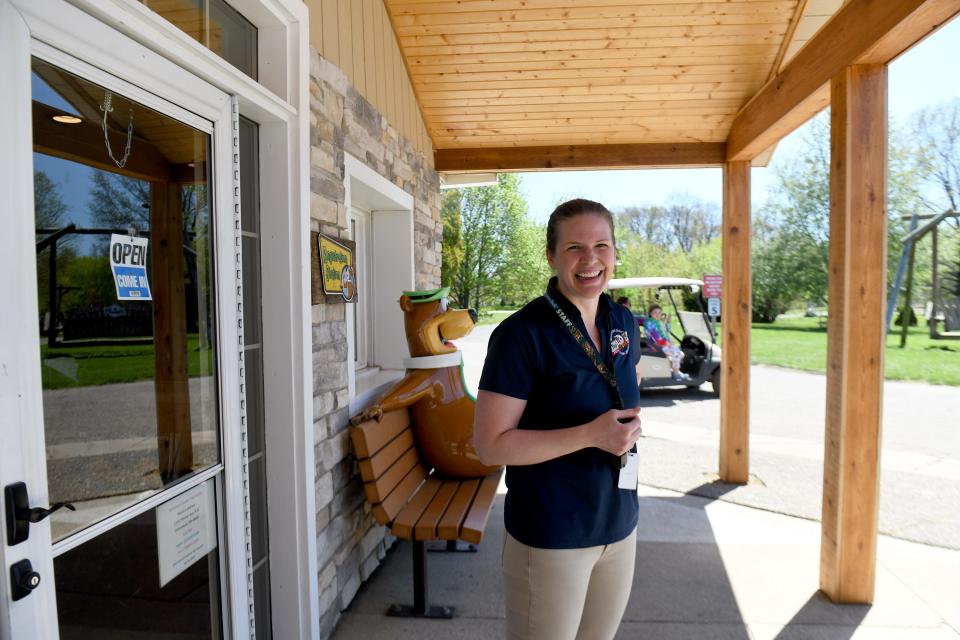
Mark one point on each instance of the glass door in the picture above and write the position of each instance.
(136, 385)
(122, 205)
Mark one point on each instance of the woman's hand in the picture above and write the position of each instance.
(617, 430)
(497, 439)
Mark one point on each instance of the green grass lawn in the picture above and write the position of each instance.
(88, 366)
(493, 316)
(800, 343)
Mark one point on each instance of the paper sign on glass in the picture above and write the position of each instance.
(186, 530)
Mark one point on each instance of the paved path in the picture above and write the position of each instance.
(705, 570)
(920, 457)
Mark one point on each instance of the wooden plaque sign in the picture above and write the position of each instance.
(333, 270)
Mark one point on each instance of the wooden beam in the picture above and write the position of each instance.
(855, 333)
(737, 311)
(174, 433)
(597, 156)
(861, 32)
(798, 12)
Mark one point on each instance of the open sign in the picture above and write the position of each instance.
(128, 262)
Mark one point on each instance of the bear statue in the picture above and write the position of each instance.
(433, 389)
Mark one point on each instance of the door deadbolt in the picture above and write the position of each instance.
(23, 579)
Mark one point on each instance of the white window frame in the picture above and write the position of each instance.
(358, 313)
(390, 270)
(280, 104)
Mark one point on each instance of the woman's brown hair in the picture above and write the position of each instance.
(573, 208)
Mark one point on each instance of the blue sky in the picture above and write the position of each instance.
(924, 76)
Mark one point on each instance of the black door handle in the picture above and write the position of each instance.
(36, 514)
(20, 515)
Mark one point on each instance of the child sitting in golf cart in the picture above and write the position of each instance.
(657, 327)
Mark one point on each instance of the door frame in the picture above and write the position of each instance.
(280, 104)
(68, 37)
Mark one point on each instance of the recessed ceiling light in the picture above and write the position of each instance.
(67, 119)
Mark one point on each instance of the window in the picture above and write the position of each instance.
(253, 360)
(359, 233)
(216, 25)
(381, 224)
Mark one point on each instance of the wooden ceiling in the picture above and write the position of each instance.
(524, 73)
(162, 148)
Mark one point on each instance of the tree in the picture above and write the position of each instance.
(49, 211)
(791, 253)
(48, 205)
(794, 257)
(682, 222)
(525, 271)
(452, 255)
(490, 217)
(119, 202)
(937, 130)
(91, 282)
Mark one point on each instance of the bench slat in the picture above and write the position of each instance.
(370, 436)
(403, 525)
(476, 520)
(387, 510)
(372, 468)
(449, 527)
(426, 528)
(381, 488)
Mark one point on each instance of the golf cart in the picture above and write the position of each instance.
(693, 331)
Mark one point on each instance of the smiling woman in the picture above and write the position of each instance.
(557, 405)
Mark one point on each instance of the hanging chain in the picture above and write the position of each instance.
(107, 107)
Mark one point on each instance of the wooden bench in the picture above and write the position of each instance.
(416, 503)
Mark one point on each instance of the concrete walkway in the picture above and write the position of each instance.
(705, 570)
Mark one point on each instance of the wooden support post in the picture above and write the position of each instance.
(855, 333)
(174, 435)
(736, 312)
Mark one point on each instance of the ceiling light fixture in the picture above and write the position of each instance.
(67, 119)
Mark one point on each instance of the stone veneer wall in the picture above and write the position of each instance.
(350, 545)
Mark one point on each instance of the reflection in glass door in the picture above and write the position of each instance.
(128, 342)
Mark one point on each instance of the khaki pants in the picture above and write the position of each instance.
(559, 594)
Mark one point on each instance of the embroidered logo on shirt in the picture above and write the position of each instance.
(619, 342)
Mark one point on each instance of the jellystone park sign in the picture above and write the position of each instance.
(338, 274)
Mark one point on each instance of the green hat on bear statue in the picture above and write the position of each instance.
(427, 295)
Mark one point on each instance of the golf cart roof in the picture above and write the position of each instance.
(653, 283)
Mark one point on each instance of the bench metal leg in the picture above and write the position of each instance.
(454, 546)
(420, 608)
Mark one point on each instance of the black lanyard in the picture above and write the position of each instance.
(618, 461)
(588, 349)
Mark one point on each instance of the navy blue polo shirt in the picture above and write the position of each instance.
(571, 501)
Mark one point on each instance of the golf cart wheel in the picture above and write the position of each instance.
(715, 381)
